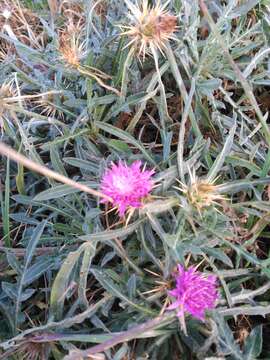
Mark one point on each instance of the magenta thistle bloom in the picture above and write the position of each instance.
(195, 292)
(127, 185)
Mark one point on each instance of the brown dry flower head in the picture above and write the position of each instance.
(48, 103)
(72, 49)
(71, 45)
(8, 95)
(151, 27)
(201, 193)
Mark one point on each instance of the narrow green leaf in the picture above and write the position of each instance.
(61, 282)
(88, 255)
(239, 185)
(106, 281)
(253, 344)
(56, 161)
(218, 163)
(112, 234)
(59, 191)
(126, 137)
(5, 209)
(20, 179)
(28, 257)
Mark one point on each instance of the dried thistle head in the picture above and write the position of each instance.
(33, 351)
(151, 27)
(201, 193)
(71, 45)
(48, 104)
(8, 92)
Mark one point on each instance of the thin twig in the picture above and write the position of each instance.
(43, 170)
(122, 337)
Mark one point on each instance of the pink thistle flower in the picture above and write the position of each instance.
(127, 185)
(195, 292)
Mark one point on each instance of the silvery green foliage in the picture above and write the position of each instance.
(75, 279)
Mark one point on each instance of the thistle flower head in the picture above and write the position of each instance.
(127, 185)
(49, 104)
(201, 193)
(8, 94)
(195, 292)
(72, 45)
(151, 27)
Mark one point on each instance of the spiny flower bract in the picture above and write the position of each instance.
(127, 185)
(195, 292)
(151, 27)
(201, 193)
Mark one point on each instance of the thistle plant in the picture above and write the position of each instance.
(150, 31)
(102, 253)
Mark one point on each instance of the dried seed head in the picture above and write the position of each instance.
(151, 27)
(7, 91)
(200, 193)
(33, 351)
(72, 47)
(49, 103)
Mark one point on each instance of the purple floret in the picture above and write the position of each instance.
(126, 185)
(195, 292)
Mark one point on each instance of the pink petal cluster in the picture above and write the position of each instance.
(127, 185)
(195, 292)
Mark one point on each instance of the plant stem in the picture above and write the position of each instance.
(43, 170)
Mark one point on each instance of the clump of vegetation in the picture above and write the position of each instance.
(134, 179)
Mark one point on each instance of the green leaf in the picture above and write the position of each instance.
(82, 164)
(253, 344)
(219, 255)
(243, 9)
(126, 137)
(89, 253)
(20, 179)
(61, 190)
(227, 345)
(239, 185)
(12, 292)
(27, 260)
(119, 145)
(14, 263)
(106, 281)
(36, 270)
(5, 207)
(218, 163)
(56, 161)
(112, 234)
(61, 282)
